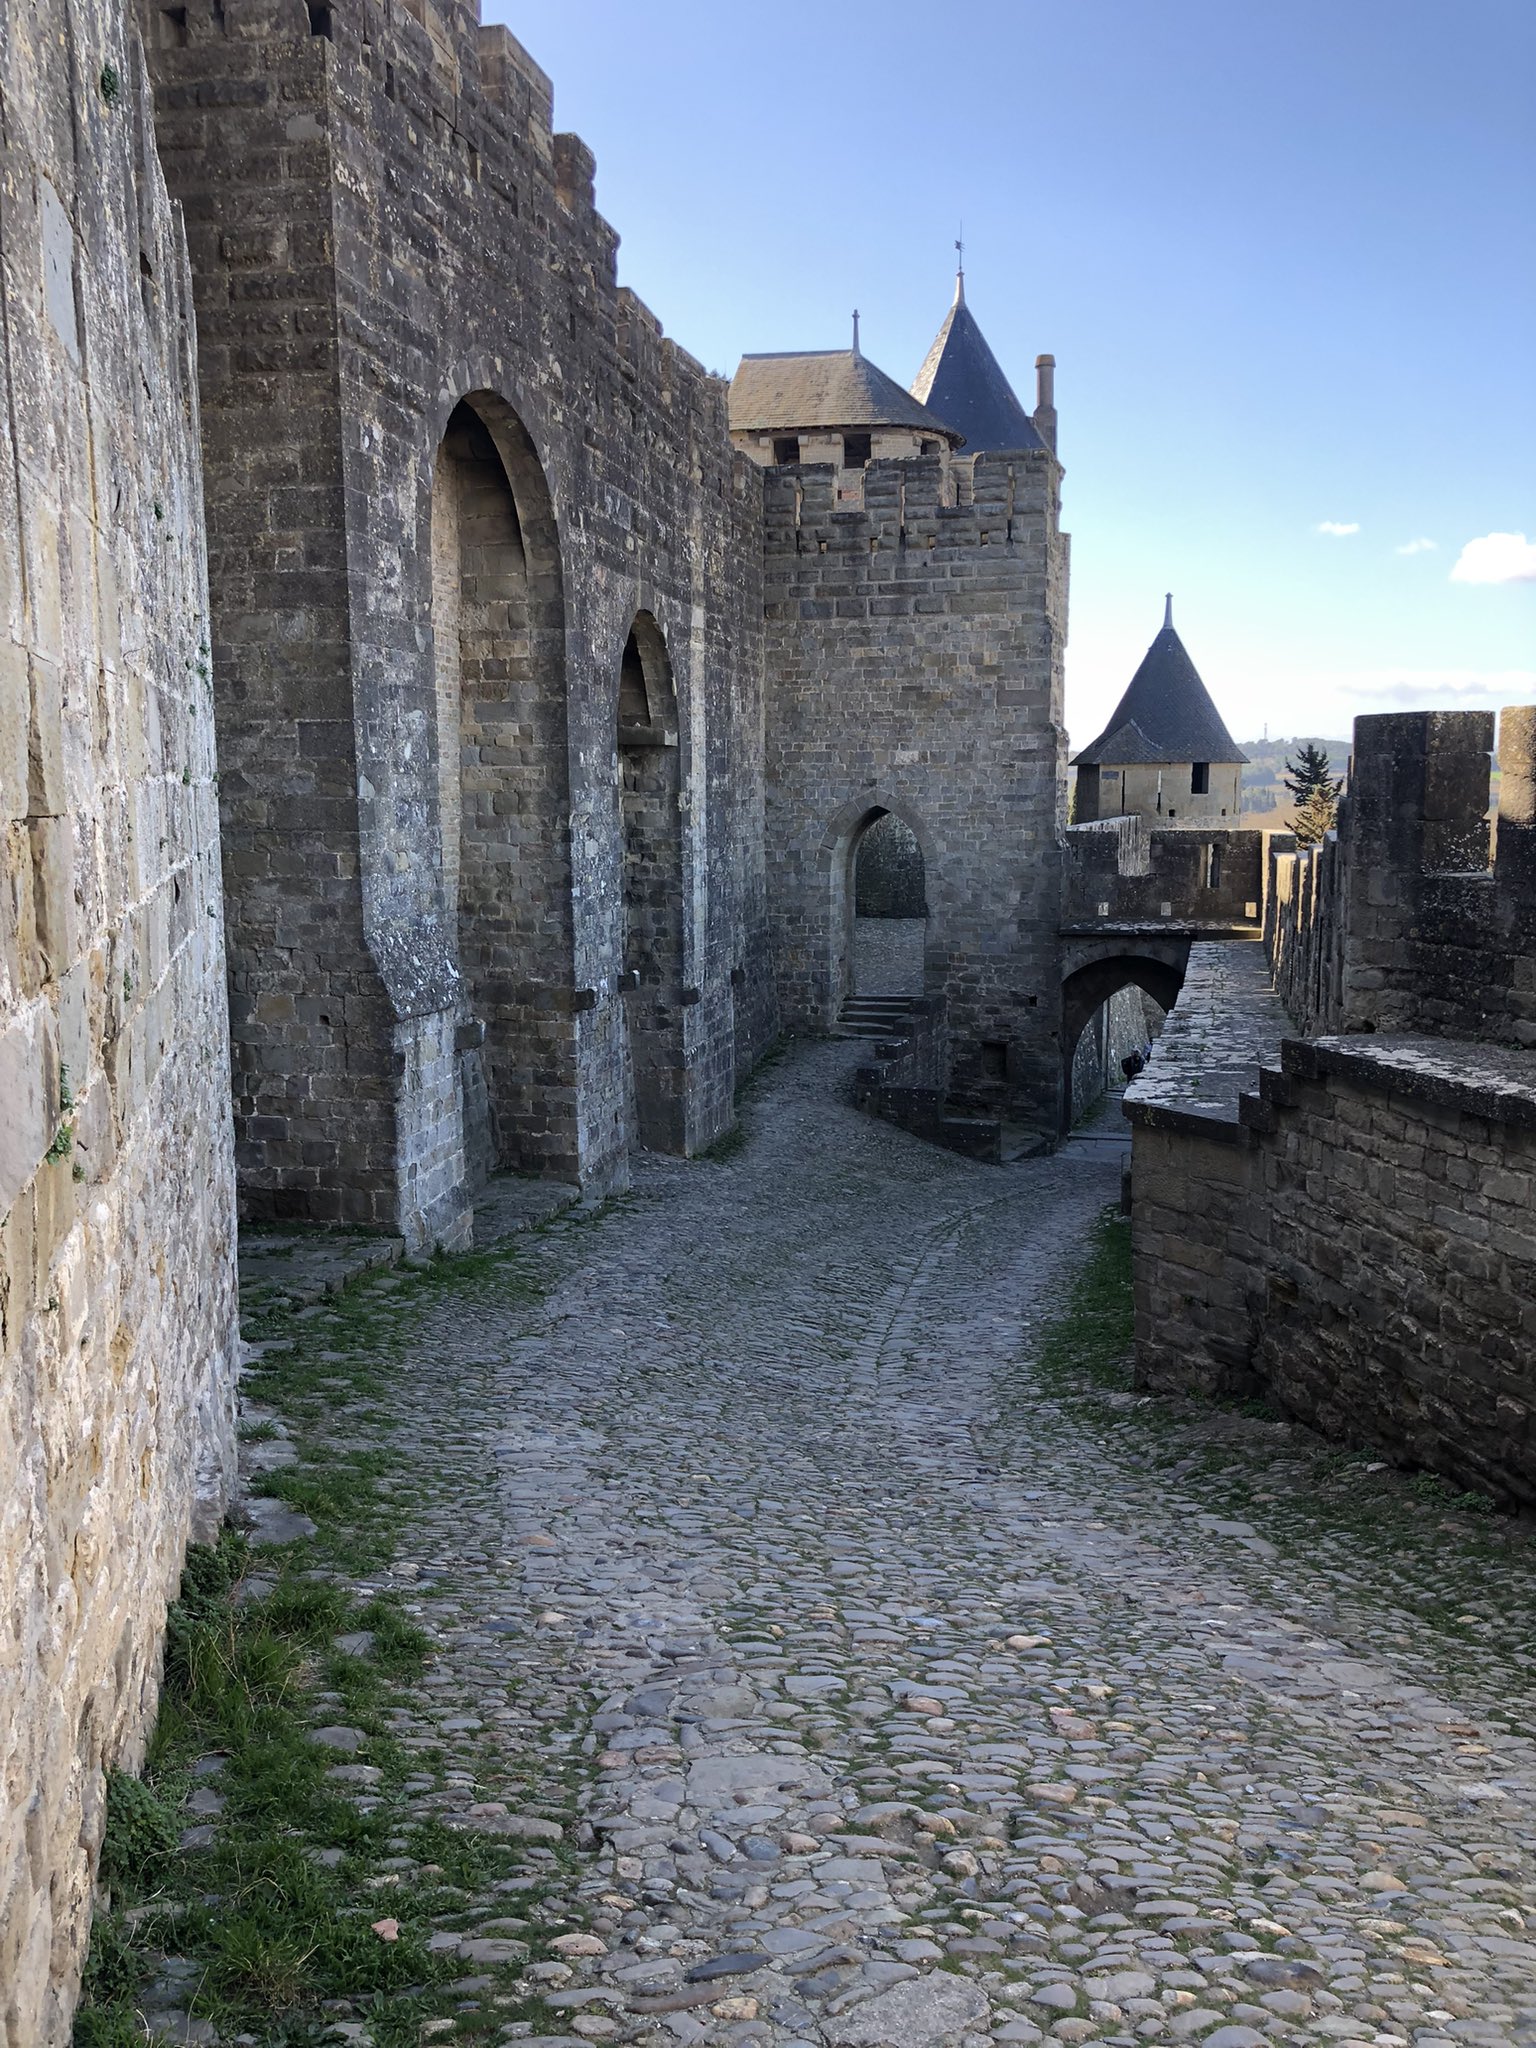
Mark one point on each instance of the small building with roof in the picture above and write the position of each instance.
(1166, 754)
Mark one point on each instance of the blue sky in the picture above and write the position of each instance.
(1281, 249)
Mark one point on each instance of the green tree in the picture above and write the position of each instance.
(1316, 815)
(1314, 793)
(1309, 775)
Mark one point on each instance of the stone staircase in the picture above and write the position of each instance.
(875, 1017)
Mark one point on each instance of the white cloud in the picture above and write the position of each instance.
(1417, 547)
(1497, 558)
(1435, 689)
(1339, 527)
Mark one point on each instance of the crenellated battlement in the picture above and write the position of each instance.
(1419, 912)
(918, 502)
(427, 74)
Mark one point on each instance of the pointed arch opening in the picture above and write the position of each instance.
(498, 635)
(887, 892)
(651, 836)
(1090, 1004)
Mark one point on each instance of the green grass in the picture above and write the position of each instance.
(273, 1934)
(1089, 1345)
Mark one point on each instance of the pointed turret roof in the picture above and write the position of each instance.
(829, 388)
(963, 382)
(1166, 714)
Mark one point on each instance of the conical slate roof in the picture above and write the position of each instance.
(963, 382)
(1165, 715)
(824, 388)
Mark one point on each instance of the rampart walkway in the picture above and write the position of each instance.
(927, 1692)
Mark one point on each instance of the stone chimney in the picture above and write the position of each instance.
(1045, 400)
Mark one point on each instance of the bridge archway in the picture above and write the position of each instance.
(1095, 981)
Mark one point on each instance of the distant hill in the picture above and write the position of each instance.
(1266, 800)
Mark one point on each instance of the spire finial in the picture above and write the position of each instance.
(1168, 613)
(960, 266)
(855, 330)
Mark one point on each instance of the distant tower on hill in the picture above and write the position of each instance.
(1165, 754)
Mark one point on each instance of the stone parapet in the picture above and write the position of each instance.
(1419, 913)
(1343, 1224)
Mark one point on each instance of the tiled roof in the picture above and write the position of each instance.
(824, 388)
(1165, 715)
(963, 382)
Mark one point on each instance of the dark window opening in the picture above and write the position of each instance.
(994, 1059)
(389, 81)
(320, 20)
(927, 447)
(786, 448)
(172, 28)
(1200, 779)
(1213, 867)
(855, 450)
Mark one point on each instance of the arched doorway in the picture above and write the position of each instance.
(890, 908)
(651, 836)
(1085, 993)
(498, 631)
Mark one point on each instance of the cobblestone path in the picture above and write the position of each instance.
(915, 1697)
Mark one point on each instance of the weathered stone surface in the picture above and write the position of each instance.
(495, 888)
(1343, 1222)
(934, 591)
(116, 1173)
(917, 2014)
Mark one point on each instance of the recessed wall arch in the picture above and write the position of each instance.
(499, 663)
(649, 795)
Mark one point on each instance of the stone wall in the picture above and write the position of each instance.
(1122, 871)
(1356, 1243)
(1198, 1228)
(914, 662)
(1344, 1222)
(450, 464)
(1398, 1180)
(117, 1326)
(1415, 916)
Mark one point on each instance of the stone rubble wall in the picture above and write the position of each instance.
(914, 649)
(117, 1297)
(383, 225)
(1357, 1247)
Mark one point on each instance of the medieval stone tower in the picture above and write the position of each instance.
(916, 617)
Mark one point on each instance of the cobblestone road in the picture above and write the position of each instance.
(914, 1698)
